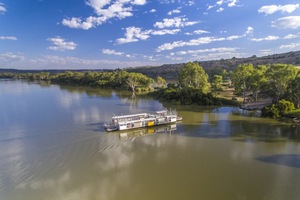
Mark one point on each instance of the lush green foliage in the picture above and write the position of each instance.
(276, 81)
(160, 81)
(279, 109)
(193, 75)
(279, 76)
(293, 114)
(216, 83)
(293, 91)
(112, 79)
(188, 96)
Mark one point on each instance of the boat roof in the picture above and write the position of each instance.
(137, 115)
(162, 111)
(126, 116)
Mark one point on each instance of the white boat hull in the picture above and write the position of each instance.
(126, 122)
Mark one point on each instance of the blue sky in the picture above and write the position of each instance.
(96, 34)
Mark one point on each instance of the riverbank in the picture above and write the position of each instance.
(257, 105)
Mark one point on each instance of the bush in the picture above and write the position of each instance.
(285, 106)
(186, 96)
(278, 109)
(270, 111)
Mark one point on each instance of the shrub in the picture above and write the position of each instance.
(278, 109)
(270, 111)
(285, 106)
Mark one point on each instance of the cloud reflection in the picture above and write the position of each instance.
(68, 100)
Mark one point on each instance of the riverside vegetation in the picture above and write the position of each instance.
(281, 82)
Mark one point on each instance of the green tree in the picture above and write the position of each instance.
(257, 80)
(279, 76)
(277, 110)
(293, 91)
(161, 82)
(241, 78)
(216, 83)
(285, 106)
(137, 79)
(192, 75)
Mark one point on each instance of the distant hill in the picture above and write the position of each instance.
(52, 71)
(170, 71)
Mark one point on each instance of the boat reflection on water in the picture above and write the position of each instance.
(130, 134)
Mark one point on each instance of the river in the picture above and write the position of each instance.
(53, 146)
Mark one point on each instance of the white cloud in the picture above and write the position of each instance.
(152, 11)
(190, 3)
(268, 38)
(194, 42)
(60, 44)
(85, 25)
(220, 49)
(273, 38)
(11, 57)
(289, 8)
(209, 54)
(249, 31)
(290, 46)
(105, 10)
(116, 10)
(97, 4)
(133, 34)
(175, 22)
(174, 58)
(165, 32)
(177, 11)
(210, 7)
(292, 36)
(290, 22)
(220, 2)
(220, 9)
(230, 3)
(8, 38)
(116, 53)
(197, 32)
(234, 37)
(197, 42)
(2, 8)
(112, 52)
(139, 2)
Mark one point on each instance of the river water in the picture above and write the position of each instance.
(53, 146)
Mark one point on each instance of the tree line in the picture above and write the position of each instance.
(113, 79)
(194, 87)
(281, 82)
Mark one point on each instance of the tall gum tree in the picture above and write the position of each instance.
(279, 76)
(193, 75)
(241, 78)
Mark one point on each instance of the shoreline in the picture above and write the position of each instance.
(257, 105)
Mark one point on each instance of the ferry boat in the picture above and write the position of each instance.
(125, 122)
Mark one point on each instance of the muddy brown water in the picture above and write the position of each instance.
(53, 146)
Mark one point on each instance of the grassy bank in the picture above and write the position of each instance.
(293, 114)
